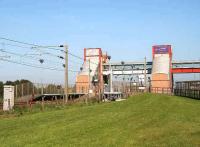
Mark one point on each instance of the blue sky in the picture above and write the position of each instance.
(125, 29)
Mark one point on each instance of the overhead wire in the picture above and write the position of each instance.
(31, 48)
(36, 46)
(47, 47)
(30, 44)
(26, 56)
(32, 58)
(30, 65)
(35, 66)
(44, 53)
(41, 50)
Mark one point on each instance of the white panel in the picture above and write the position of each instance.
(93, 60)
(141, 78)
(161, 64)
(141, 88)
(8, 99)
(92, 52)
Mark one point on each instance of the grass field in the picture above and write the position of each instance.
(143, 120)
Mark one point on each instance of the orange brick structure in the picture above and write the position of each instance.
(82, 84)
(161, 83)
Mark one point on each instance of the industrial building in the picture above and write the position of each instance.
(90, 78)
(96, 75)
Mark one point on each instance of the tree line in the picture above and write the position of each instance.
(13, 83)
(30, 88)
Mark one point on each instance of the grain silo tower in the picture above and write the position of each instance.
(161, 73)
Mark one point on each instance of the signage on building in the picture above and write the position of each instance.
(162, 49)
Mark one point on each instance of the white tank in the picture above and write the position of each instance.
(93, 56)
(161, 64)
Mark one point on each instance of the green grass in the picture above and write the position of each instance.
(143, 120)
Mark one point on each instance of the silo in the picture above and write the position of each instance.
(92, 61)
(161, 72)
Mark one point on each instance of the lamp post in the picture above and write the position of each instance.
(149, 80)
(80, 89)
(66, 72)
(122, 63)
(42, 89)
(132, 67)
(110, 71)
(131, 79)
(89, 82)
(145, 73)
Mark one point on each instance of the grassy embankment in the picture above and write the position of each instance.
(143, 120)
